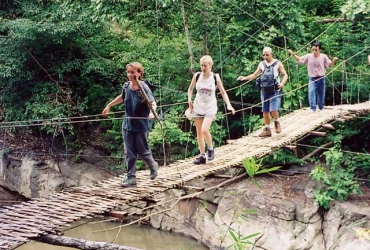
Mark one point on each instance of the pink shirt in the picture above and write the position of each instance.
(316, 66)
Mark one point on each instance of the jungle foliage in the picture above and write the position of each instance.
(61, 59)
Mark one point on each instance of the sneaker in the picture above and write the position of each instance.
(277, 127)
(154, 171)
(200, 160)
(211, 154)
(266, 132)
(129, 181)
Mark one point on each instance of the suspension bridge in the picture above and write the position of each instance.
(32, 219)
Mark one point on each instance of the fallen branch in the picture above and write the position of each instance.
(82, 244)
(325, 146)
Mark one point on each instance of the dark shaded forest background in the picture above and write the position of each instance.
(62, 61)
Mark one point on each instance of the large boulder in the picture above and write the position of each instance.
(35, 179)
(275, 217)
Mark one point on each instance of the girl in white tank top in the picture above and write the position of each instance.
(204, 108)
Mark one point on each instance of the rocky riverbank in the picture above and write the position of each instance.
(280, 214)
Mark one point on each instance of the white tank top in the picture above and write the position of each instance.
(205, 101)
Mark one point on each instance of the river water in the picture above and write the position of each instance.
(141, 237)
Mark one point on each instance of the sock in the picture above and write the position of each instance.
(203, 155)
(277, 120)
(267, 125)
(210, 147)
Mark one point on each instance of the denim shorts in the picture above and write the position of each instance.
(271, 102)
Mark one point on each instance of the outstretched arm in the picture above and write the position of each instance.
(114, 102)
(224, 94)
(295, 56)
(251, 76)
(333, 61)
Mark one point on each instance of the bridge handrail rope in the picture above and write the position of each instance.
(58, 120)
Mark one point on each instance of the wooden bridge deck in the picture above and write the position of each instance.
(28, 220)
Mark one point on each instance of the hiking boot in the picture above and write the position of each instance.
(211, 154)
(277, 127)
(200, 160)
(129, 181)
(154, 171)
(266, 132)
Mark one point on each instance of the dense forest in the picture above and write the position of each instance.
(62, 61)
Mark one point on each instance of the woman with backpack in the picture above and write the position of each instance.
(270, 86)
(136, 123)
(204, 107)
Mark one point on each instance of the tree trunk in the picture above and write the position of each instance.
(188, 38)
(82, 244)
(205, 28)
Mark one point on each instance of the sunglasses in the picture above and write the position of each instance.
(266, 54)
(315, 49)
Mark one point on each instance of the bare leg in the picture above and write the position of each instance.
(275, 115)
(200, 135)
(266, 118)
(207, 122)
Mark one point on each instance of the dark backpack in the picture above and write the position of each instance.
(267, 81)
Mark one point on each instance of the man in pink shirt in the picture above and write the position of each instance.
(316, 67)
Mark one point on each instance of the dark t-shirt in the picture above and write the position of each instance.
(135, 108)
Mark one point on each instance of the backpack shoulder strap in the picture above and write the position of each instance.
(151, 86)
(275, 63)
(273, 66)
(264, 67)
(197, 76)
(124, 89)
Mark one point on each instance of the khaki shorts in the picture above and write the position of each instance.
(196, 115)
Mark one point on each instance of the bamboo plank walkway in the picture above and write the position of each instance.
(28, 220)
